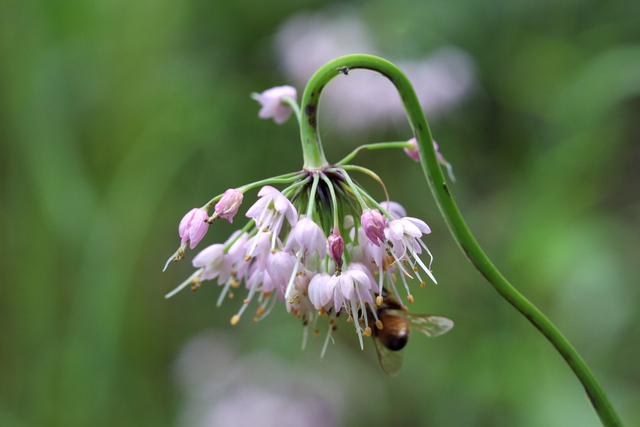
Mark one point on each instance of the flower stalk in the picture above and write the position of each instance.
(314, 159)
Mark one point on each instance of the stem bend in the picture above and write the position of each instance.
(314, 159)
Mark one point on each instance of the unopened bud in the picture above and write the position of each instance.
(373, 223)
(193, 227)
(336, 248)
(228, 205)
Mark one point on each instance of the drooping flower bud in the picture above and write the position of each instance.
(373, 223)
(413, 151)
(193, 227)
(272, 103)
(228, 205)
(415, 155)
(336, 248)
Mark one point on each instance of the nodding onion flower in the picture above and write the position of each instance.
(322, 244)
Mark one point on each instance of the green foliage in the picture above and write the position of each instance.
(118, 117)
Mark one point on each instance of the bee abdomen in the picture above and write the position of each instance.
(396, 340)
(395, 333)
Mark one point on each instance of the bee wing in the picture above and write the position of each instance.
(431, 326)
(390, 361)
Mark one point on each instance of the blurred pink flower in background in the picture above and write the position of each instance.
(362, 99)
(221, 388)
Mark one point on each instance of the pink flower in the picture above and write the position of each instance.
(373, 223)
(273, 106)
(405, 236)
(308, 237)
(228, 205)
(272, 200)
(396, 210)
(193, 227)
(352, 286)
(413, 151)
(280, 267)
(321, 291)
(415, 155)
(215, 262)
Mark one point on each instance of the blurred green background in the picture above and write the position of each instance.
(117, 117)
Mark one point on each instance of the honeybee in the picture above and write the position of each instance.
(396, 329)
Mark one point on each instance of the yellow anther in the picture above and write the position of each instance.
(367, 332)
(379, 324)
(260, 311)
(235, 319)
(422, 284)
(379, 300)
(410, 298)
(405, 308)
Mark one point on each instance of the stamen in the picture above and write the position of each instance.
(358, 328)
(272, 303)
(185, 283)
(293, 273)
(424, 267)
(428, 251)
(395, 291)
(406, 287)
(177, 256)
(361, 302)
(326, 340)
(235, 319)
(227, 285)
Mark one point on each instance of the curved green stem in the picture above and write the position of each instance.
(374, 146)
(314, 158)
(294, 106)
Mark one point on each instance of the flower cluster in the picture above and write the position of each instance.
(322, 245)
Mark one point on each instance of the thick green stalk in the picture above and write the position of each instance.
(314, 158)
